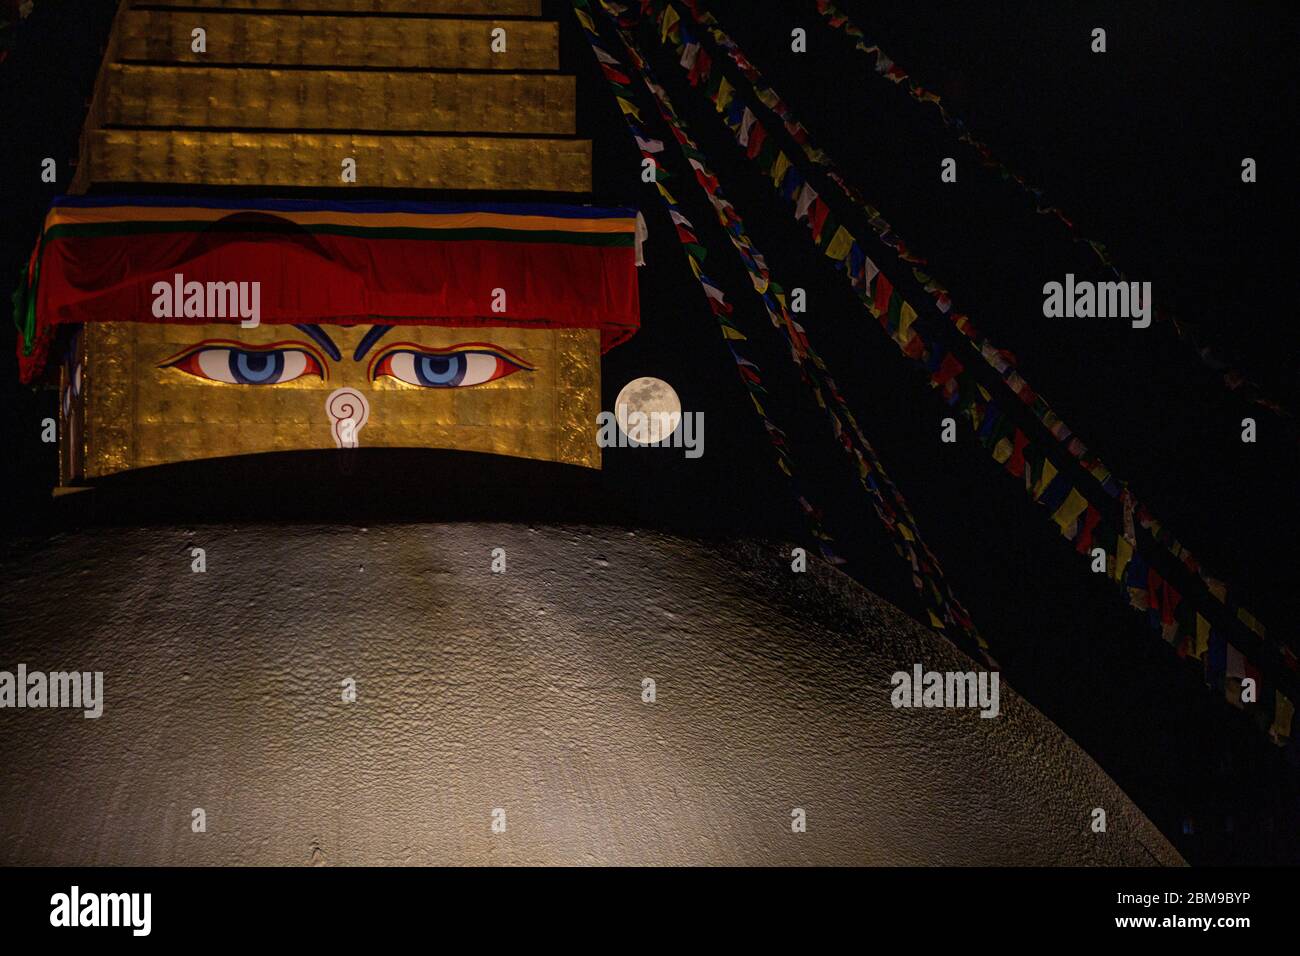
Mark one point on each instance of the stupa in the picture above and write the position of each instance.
(331, 693)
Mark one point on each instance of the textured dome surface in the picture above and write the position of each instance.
(519, 691)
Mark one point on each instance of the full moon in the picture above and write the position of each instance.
(660, 410)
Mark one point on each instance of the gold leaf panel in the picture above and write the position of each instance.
(314, 159)
(231, 97)
(284, 40)
(139, 413)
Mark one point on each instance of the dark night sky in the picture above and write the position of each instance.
(1142, 145)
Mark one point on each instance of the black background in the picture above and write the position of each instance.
(347, 904)
(1142, 146)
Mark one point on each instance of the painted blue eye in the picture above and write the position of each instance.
(256, 368)
(236, 366)
(451, 369)
(440, 371)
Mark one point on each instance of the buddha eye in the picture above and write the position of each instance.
(238, 364)
(457, 367)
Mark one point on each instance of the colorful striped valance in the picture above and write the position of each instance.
(333, 262)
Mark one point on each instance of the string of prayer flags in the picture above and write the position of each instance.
(1001, 360)
(750, 374)
(941, 605)
(1020, 456)
(1232, 379)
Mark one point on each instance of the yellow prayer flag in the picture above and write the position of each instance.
(1067, 516)
(840, 245)
(1123, 555)
(725, 93)
(627, 107)
(906, 315)
(1250, 621)
(730, 333)
(585, 20)
(1201, 644)
(1283, 712)
(670, 19)
(1045, 479)
(1002, 451)
(779, 167)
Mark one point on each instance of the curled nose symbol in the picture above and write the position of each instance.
(348, 411)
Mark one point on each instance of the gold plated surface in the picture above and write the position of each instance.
(314, 159)
(164, 36)
(520, 8)
(139, 414)
(230, 97)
